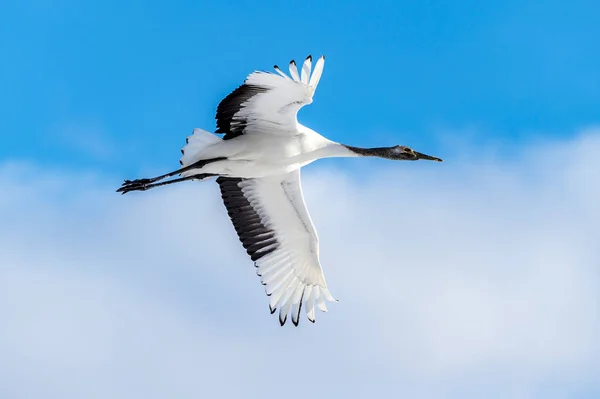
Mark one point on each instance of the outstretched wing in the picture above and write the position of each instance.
(273, 224)
(267, 103)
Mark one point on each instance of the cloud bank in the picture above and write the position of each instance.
(479, 277)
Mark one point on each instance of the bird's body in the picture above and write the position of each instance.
(258, 164)
(269, 155)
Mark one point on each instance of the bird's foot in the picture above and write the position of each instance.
(135, 185)
(139, 182)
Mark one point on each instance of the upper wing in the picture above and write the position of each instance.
(268, 102)
(273, 224)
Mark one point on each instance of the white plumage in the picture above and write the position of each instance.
(258, 165)
(292, 271)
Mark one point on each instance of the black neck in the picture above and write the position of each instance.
(382, 152)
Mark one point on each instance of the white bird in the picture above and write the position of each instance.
(258, 163)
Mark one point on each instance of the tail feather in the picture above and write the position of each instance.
(195, 145)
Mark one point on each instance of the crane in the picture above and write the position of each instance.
(257, 165)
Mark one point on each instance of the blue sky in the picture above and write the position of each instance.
(137, 76)
(498, 299)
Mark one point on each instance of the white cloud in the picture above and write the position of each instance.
(476, 277)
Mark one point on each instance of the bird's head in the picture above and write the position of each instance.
(404, 153)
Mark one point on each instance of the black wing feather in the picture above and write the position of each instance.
(257, 239)
(227, 122)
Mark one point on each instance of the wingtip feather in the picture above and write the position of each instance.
(306, 67)
(319, 300)
(280, 72)
(317, 72)
(294, 71)
(297, 304)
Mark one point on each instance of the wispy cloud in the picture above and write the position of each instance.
(473, 278)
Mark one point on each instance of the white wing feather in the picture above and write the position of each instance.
(317, 72)
(292, 273)
(294, 71)
(274, 111)
(280, 72)
(306, 70)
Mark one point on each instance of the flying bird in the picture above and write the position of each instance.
(257, 165)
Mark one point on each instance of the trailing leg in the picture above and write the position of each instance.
(139, 184)
(143, 187)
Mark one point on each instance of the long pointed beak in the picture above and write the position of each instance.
(427, 157)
